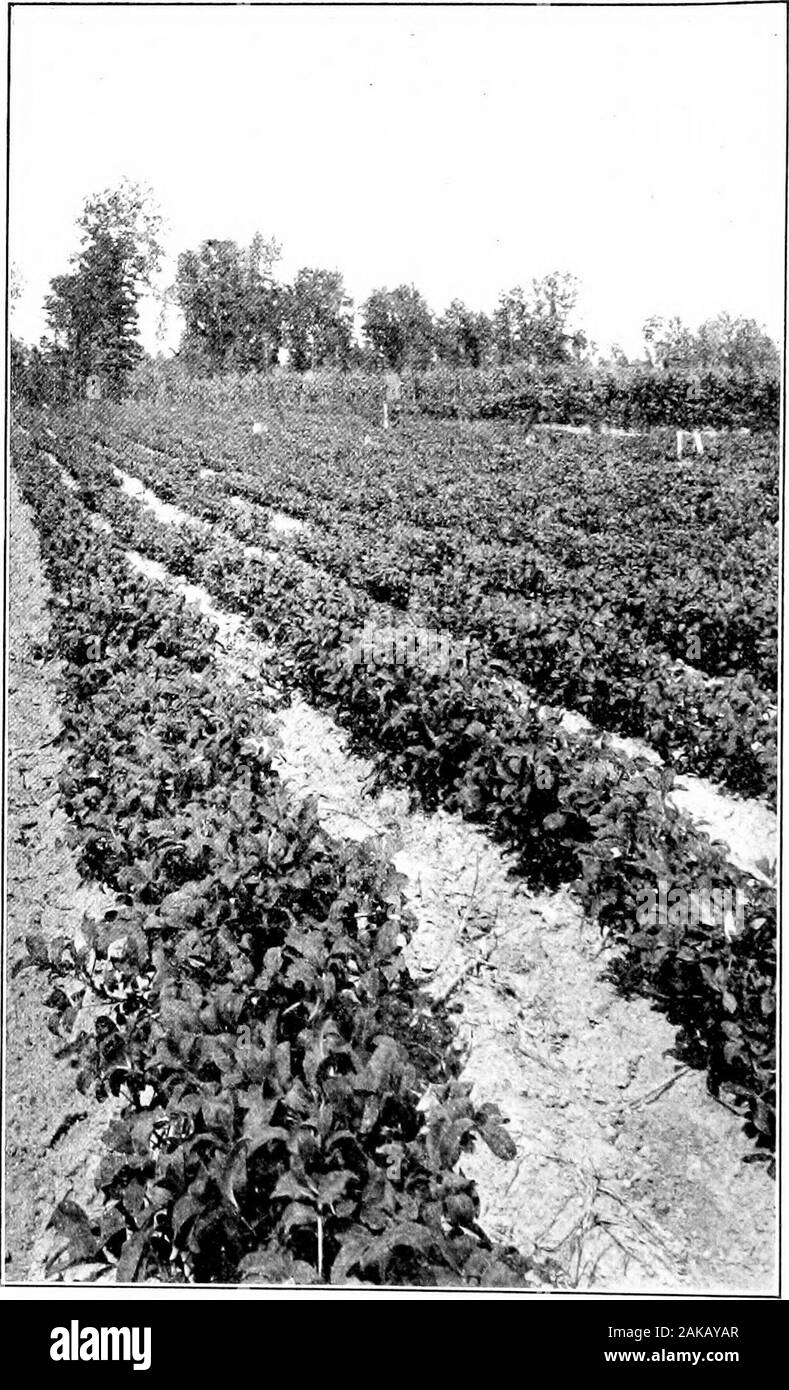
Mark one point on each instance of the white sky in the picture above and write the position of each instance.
(465, 150)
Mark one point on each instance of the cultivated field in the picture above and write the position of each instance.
(410, 907)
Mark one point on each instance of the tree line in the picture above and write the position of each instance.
(238, 316)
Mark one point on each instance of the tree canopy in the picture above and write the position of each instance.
(535, 326)
(318, 319)
(237, 314)
(398, 326)
(724, 343)
(463, 337)
(231, 303)
(92, 310)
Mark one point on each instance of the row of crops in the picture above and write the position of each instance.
(253, 1012)
(612, 579)
(630, 397)
(570, 808)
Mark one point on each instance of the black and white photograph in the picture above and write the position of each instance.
(393, 533)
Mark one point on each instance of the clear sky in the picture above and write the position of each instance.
(463, 150)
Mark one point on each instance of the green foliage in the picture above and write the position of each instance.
(232, 305)
(535, 328)
(129, 215)
(92, 311)
(631, 397)
(398, 327)
(319, 320)
(628, 397)
(93, 315)
(723, 344)
(37, 375)
(464, 338)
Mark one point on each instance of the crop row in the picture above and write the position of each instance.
(570, 644)
(633, 397)
(252, 1006)
(570, 807)
(685, 550)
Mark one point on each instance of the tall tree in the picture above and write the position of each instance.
(92, 310)
(93, 315)
(231, 303)
(535, 327)
(319, 319)
(463, 336)
(399, 327)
